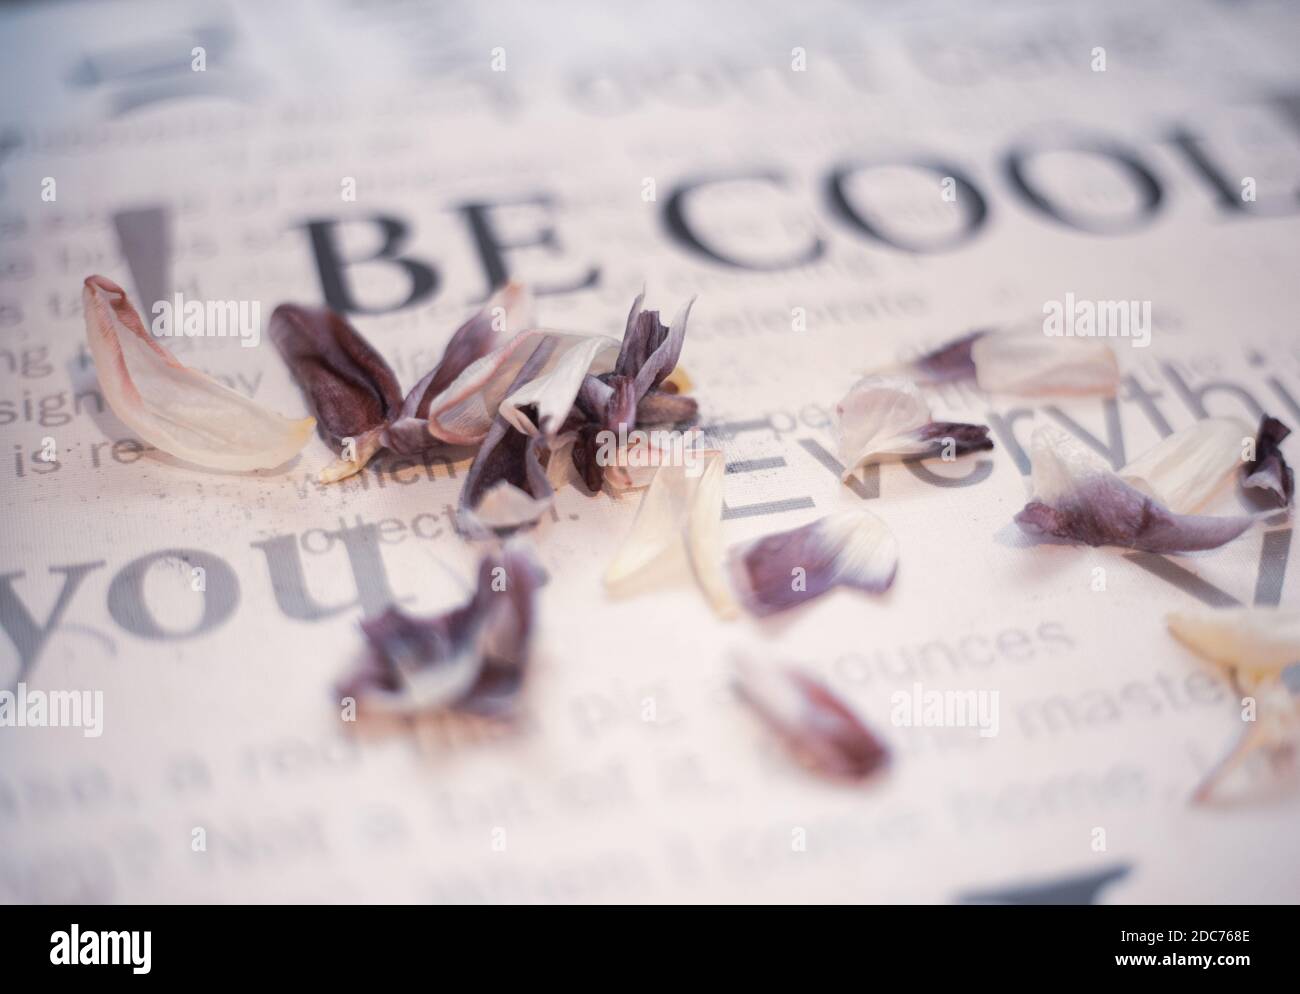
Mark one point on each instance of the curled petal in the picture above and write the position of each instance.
(649, 351)
(505, 314)
(463, 412)
(885, 418)
(679, 524)
(813, 721)
(176, 409)
(1269, 469)
(1185, 470)
(542, 403)
(1077, 497)
(851, 548)
(1261, 640)
(350, 388)
(507, 487)
(470, 659)
(1033, 364)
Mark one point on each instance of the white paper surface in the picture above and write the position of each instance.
(1104, 721)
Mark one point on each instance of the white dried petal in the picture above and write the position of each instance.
(174, 408)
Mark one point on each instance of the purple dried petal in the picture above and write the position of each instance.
(965, 438)
(642, 335)
(508, 467)
(650, 350)
(507, 460)
(1078, 497)
(352, 391)
(469, 343)
(470, 659)
(1269, 470)
(949, 362)
(659, 407)
(813, 720)
(1106, 511)
(851, 548)
(586, 446)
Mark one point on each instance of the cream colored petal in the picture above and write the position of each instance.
(506, 506)
(463, 413)
(553, 390)
(176, 409)
(1256, 639)
(878, 420)
(1033, 364)
(1186, 469)
(678, 526)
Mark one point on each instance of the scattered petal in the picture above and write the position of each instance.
(470, 659)
(949, 363)
(349, 386)
(813, 721)
(680, 519)
(1269, 470)
(1186, 469)
(1259, 646)
(1077, 497)
(886, 418)
(852, 548)
(1033, 364)
(176, 409)
(1260, 640)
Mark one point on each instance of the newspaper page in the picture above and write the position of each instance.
(842, 186)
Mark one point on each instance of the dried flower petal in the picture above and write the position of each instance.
(1077, 497)
(1186, 469)
(641, 389)
(886, 418)
(470, 659)
(1020, 361)
(542, 402)
(659, 407)
(1033, 364)
(506, 313)
(1260, 640)
(463, 413)
(176, 409)
(507, 487)
(349, 386)
(851, 548)
(1269, 469)
(679, 523)
(950, 362)
(649, 351)
(812, 719)
(1257, 645)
